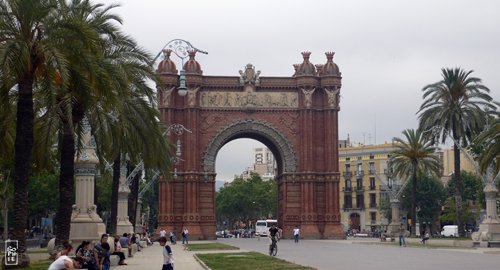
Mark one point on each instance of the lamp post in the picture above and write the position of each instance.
(181, 48)
(177, 129)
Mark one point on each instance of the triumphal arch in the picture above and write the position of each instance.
(295, 117)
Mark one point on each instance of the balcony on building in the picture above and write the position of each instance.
(348, 174)
(373, 187)
(371, 171)
(360, 188)
(360, 173)
(347, 207)
(360, 206)
(347, 189)
(373, 205)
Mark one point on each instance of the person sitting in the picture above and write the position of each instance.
(66, 263)
(88, 256)
(124, 242)
(67, 247)
(119, 252)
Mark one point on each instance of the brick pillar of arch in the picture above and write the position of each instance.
(303, 134)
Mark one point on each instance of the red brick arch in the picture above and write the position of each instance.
(295, 117)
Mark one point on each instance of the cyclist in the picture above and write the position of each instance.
(273, 232)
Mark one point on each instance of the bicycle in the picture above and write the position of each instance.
(273, 247)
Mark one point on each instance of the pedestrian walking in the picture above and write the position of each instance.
(185, 236)
(168, 256)
(296, 234)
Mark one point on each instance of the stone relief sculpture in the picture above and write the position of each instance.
(248, 99)
(333, 97)
(192, 96)
(249, 75)
(308, 96)
(167, 95)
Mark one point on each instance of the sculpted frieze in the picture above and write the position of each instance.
(217, 99)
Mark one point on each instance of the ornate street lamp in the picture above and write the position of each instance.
(181, 48)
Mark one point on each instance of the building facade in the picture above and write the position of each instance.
(363, 185)
(447, 158)
(264, 164)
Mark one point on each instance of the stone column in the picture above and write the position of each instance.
(85, 222)
(123, 224)
(489, 230)
(138, 223)
(393, 228)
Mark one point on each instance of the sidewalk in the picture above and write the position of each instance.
(152, 258)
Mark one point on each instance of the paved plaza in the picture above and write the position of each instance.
(336, 254)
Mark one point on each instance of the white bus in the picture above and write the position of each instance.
(262, 226)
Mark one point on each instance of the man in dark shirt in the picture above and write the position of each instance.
(273, 231)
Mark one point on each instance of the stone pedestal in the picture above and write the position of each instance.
(489, 230)
(85, 222)
(393, 227)
(123, 224)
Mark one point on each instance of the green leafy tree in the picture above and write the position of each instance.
(244, 200)
(472, 188)
(457, 106)
(430, 197)
(414, 156)
(44, 195)
(472, 200)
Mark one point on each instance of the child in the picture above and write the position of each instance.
(168, 257)
(104, 261)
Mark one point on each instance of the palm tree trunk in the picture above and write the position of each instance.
(23, 160)
(414, 200)
(458, 189)
(114, 195)
(66, 182)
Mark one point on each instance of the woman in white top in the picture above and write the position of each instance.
(296, 234)
(65, 262)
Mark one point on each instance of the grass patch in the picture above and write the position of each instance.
(247, 260)
(39, 265)
(210, 246)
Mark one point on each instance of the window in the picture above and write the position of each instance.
(348, 167)
(347, 201)
(360, 202)
(373, 200)
(359, 184)
(372, 157)
(372, 167)
(373, 216)
(347, 159)
(372, 183)
(348, 185)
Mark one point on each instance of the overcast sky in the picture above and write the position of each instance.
(386, 50)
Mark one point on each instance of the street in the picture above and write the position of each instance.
(351, 254)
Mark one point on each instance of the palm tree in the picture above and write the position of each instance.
(456, 106)
(490, 141)
(412, 156)
(27, 56)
